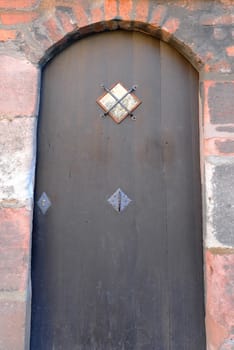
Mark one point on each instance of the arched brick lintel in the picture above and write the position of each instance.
(166, 33)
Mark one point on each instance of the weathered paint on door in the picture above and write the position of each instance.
(104, 280)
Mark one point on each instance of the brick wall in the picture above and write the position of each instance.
(31, 32)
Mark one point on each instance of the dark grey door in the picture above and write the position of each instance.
(104, 279)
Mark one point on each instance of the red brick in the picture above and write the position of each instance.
(171, 25)
(7, 34)
(219, 296)
(142, 10)
(97, 14)
(12, 325)
(230, 51)
(215, 332)
(218, 102)
(227, 2)
(158, 15)
(212, 20)
(169, 28)
(15, 233)
(17, 18)
(125, 9)
(18, 86)
(209, 147)
(17, 4)
(192, 5)
(220, 146)
(49, 5)
(81, 15)
(222, 66)
(53, 30)
(206, 111)
(110, 7)
(208, 56)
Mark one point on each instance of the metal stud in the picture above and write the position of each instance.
(119, 200)
(44, 203)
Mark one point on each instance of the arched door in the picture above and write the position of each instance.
(117, 240)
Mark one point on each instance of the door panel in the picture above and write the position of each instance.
(102, 279)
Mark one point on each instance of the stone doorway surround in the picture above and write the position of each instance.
(31, 33)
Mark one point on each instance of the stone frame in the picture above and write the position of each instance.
(200, 31)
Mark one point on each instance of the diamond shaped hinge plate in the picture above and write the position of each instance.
(118, 102)
(119, 200)
(44, 203)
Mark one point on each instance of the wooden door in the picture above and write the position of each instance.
(103, 279)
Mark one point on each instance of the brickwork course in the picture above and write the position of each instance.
(31, 33)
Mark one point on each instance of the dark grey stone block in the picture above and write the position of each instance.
(223, 202)
(225, 146)
(221, 103)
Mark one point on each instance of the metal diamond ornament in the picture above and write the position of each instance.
(119, 200)
(44, 203)
(118, 102)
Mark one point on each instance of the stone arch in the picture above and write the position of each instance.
(58, 26)
(165, 33)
